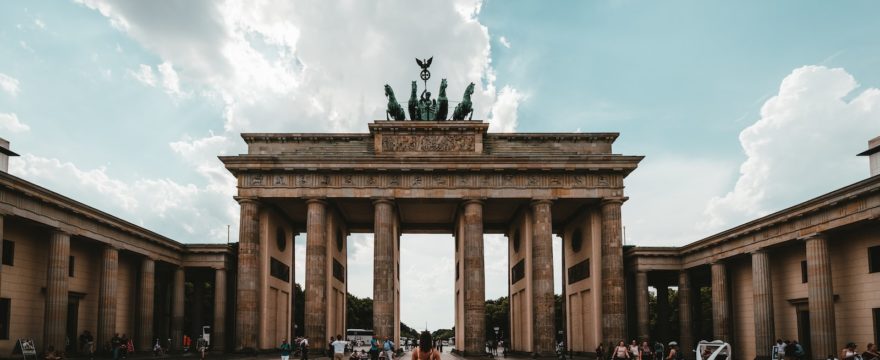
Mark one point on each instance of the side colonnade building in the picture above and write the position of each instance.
(809, 273)
(69, 268)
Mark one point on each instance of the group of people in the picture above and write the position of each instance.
(851, 352)
(645, 351)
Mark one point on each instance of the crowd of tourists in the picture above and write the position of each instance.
(643, 351)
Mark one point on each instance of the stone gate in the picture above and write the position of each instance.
(449, 177)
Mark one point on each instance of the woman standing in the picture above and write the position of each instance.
(849, 352)
(645, 352)
(426, 350)
(620, 351)
(871, 353)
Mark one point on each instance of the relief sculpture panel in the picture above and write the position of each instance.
(428, 143)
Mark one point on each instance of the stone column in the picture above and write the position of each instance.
(107, 296)
(820, 296)
(720, 303)
(177, 305)
(316, 274)
(145, 305)
(542, 278)
(474, 279)
(685, 316)
(55, 329)
(218, 336)
(246, 312)
(642, 305)
(763, 304)
(383, 268)
(613, 281)
(663, 312)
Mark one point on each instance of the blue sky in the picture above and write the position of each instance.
(741, 108)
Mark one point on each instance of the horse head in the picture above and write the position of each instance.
(469, 91)
(388, 92)
(442, 92)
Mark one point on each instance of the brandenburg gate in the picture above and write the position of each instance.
(450, 177)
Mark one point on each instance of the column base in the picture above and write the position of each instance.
(545, 355)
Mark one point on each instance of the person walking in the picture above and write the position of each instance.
(304, 348)
(285, 349)
(425, 350)
(339, 348)
(659, 350)
(116, 346)
(202, 347)
(850, 352)
(620, 351)
(645, 352)
(374, 348)
(388, 348)
(779, 349)
(600, 352)
(673, 351)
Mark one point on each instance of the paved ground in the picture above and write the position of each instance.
(445, 355)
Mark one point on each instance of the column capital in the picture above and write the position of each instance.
(541, 201)
(383, 200)
(316, 200)
(614, 200)
(815, 235)
(473, 200)
(246, 200)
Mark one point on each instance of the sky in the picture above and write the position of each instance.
(740, 108)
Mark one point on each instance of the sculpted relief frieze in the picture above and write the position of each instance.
(431, 180)
(428, 143)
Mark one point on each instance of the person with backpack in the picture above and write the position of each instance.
(388, 348)
(659, 350)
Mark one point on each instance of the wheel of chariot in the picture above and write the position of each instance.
(425, 75)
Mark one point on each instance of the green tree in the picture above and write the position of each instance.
(498, 315)
(299, 309)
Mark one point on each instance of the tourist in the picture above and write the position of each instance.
(202, 347)
(304, 348)
(799, 352)
(600, 352)
(633, 349)
(425, 350)
(850, 352)
(116, 346)
(620, 351)
(659, 350)
(871, 353)
(673, 352)
(285, 349)
(388, 348)
(374, 348)
(339, 348)
(779, 349)
(86, 342)
(645, 352)
(129, 346)
(330, 347)
(186, 342)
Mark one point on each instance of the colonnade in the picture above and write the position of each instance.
(820, 302)
(57, 297)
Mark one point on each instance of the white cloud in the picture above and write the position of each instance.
(167, 78)
(503, 40)
(9, 84)
(40, 24)
(183, 212)
(9, 122)
(667, 197)
(504, 111)
(170, 80)
(803, 145)
(144, 74)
